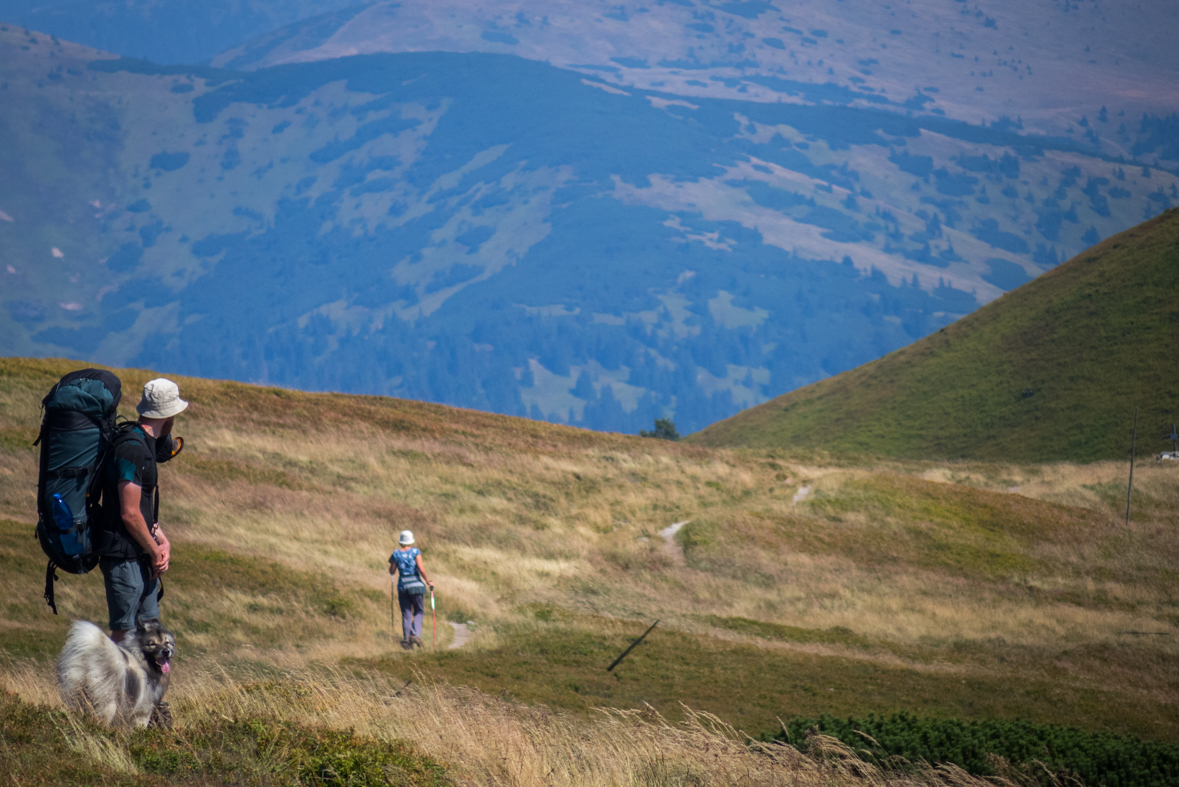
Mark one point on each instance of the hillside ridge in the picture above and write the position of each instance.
(1050, 371)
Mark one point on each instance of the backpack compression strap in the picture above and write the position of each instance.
(50, 577)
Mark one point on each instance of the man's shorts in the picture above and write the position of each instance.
(130, 592)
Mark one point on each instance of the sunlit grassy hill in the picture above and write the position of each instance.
(802, 583)
(1050, 371)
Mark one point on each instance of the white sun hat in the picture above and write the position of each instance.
(161, 399)
(406, 538)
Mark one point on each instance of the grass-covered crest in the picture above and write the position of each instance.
(1050, 371)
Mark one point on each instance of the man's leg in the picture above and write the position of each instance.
(124, 589)
(130, 594)
(149, 601)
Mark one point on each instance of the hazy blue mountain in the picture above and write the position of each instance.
(1052, 64)
(494, 232)
(172, 31)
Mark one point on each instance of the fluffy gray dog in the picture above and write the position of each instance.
(120, 685)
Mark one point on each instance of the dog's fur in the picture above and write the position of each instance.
(119, 685)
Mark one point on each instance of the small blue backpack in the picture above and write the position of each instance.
(408, 582)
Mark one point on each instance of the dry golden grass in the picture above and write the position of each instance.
(284, 508)
(485, 740)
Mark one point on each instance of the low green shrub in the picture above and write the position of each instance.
(280, 753)
(37, 747)
(1092, 757)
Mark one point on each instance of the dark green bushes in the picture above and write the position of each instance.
(1094, 758)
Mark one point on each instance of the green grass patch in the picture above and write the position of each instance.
(217, 471)
(890, 520)
(837, 635)
(18, 439)
(563, 665)
(284, 600)
(697, 535)
(32, 630)
(965, 531)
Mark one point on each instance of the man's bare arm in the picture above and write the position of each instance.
(129, 497)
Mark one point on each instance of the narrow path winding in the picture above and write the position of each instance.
(674, 550)
(461, 635)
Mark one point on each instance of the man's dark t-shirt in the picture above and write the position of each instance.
(133, 458)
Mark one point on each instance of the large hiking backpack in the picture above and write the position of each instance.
(77, 428)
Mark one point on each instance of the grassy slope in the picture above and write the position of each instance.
(890, 587)
(1089, 341)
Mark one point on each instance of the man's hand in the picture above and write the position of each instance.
(159, 563)
(162, 557)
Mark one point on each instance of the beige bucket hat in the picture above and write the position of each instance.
(161, 399)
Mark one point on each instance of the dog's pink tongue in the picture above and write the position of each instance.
(165, 667)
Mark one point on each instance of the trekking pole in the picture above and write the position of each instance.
(433, 620)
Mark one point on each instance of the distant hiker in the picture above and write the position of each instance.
(134, 549)
(406, 564)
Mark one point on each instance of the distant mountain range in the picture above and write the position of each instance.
(175, 31)
(600, 244)
(1051, 371)
(1050, 63)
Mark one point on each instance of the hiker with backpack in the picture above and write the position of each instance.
(406, 564)
(134, 550)
(97, 490)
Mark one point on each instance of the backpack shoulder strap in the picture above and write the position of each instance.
(126, 431)
(123, 433)
(43, 462)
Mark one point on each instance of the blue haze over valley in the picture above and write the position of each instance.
(591, 213)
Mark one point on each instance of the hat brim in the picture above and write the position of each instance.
(406, 543)
(172, 408)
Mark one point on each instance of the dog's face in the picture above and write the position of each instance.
(157, 643)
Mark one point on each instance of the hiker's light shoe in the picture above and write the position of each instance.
(406, 644)
(416, 640)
